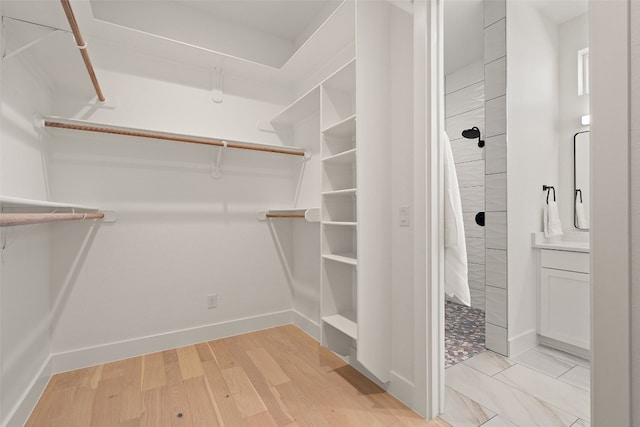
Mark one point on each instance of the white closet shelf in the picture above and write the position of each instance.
(86, 126)
(343, 128)
(20, 203)
(309, 214)
(340, 223)
(343, 324)
(345, 192)
(302, 108)
(21, 211)
(345, 158)
(347, 258)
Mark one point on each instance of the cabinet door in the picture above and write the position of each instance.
(565, 306)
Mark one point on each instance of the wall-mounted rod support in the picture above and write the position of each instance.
(11, 219)
(82, 45)
(116, 130)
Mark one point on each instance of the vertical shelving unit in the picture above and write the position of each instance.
(298, 240)
(339, 212)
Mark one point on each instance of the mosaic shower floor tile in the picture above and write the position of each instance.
(464, 332)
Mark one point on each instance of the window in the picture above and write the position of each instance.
(583, 71)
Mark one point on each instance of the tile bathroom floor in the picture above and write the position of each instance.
(541, 387)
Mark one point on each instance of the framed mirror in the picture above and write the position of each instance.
(581, 191)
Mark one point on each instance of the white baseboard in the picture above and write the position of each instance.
(567, 348)
(91, 356)
(309, 326)
(19, 414)
(523, 342)
(401, 388)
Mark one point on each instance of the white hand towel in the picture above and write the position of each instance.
(581, 217)
(552, 226)
(456, 281)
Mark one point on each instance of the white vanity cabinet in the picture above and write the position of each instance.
(564, 298)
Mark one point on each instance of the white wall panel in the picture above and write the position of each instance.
(495, 78)
(496, 160)
(466, 150)
(465, 99)
(494, 10)
(456, 124)
(472, 199)
(496, 268)
(494, 41)
(470, 174)
(496, 190)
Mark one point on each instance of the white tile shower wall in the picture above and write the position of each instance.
(456, 124)
(495, 71)
(464, 109)
(472, 200)
(496, 189)
(496, 161)
(495, 41)
(496, 268)
(465, 152)
(495, 80)
(496, 306)
(475, 250)
(471, 229)
(476, 276)
(494, 10)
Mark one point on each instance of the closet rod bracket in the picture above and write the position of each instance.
(216, 163)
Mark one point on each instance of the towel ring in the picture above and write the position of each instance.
(579, 191)
(548, 189)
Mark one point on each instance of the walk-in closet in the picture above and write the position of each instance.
(176, 172)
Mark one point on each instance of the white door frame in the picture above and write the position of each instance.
(613, 236)
(428, 199)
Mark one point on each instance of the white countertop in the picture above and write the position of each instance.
(569, 241)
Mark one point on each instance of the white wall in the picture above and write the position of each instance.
(533, 150)
(402, 194)
(572, 36)
(180, 234)
(635, 209)
(25, 257)
(464, 109)
(613, 223)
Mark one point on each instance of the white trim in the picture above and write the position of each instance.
(428, 199)
(523, 342)
(567, 348)
(401, 388)
(91, 356)
(611, 258)
(306, 324)
(19, 414)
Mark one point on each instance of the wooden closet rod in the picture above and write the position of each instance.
(169, 137)
(285, 215)
(82, 45)
(9, 219)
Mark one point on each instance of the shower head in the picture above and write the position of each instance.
(473, 133)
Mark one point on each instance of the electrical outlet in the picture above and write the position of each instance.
(212, 301)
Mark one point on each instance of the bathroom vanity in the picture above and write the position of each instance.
(564, 315)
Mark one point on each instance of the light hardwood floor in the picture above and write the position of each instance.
(275, 377)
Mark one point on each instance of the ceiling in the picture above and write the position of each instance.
(267, 32)
(283, 18)
(561, 11)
